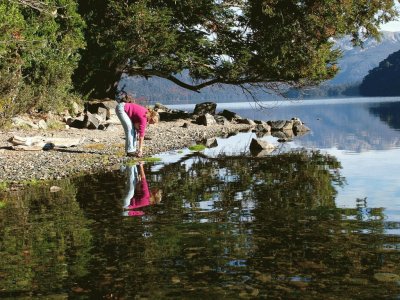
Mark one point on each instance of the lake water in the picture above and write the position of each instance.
(319, 218)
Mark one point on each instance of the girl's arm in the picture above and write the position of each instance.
(140, 149)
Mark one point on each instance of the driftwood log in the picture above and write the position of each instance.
(36, 143)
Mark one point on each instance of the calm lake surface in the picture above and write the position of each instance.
(319, 218)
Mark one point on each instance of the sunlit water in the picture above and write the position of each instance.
(316, 219)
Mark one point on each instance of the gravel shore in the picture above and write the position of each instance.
(101, 150)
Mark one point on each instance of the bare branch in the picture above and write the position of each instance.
(38, 5)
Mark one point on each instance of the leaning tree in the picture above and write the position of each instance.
(264, 43)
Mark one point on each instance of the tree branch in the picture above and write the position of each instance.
(39, 6)
(132, 71)
(137, 71)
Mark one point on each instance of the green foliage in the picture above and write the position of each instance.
(3, 186)
(39, 229)
(135, 161)
(234, 42)
(198, 147)
(38, 53)
(300, 178)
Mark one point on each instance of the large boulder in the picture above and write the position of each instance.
(257, 146)
(105, 107)
(205, 108)
(173, 114)
(229, 115)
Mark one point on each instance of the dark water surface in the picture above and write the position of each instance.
(317, 219)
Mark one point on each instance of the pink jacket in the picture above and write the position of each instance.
(140, 199)
(137, 114)
(142, 195)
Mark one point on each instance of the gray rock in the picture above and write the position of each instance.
(246, 121)
(78, 122)
(206, 120)
(104, 107)
(283, 135)
(229, 115)
(210, 143)
(259, 145)
(91, 121)
(277, 125)
(205, 108)
(172, 115)
(298, 129)
(19, 122)
(262, 127)
(42, 124)
(288, 125)
(221, 120)
(161, 108)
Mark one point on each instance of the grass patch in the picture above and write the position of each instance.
(3, 186)
(33, 182)
(198, 147)
(134, 161)
(55, 125)
(95, 146)
(152, 159)
(2, 204)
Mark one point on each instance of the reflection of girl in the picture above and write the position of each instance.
(139, 194)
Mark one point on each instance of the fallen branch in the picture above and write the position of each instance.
(36, 143)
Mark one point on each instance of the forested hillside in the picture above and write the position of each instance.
(383, 80)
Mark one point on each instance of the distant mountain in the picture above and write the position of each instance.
(357, 61)
(354, 66)
(383, 80)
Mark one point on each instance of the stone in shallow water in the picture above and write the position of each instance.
(387, 277)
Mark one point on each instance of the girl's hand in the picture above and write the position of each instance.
(140, 153)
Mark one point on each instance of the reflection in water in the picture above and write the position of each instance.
(226, 228)
(138, 194)
(354, 127)
(388, 113)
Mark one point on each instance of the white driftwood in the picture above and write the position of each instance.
(40, 142)
(27, 148)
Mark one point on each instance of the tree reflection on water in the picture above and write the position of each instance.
(227, 227)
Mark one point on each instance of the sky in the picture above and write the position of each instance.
(391, 26)
(394, 25)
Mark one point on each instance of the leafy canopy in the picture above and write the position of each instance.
(259, 42)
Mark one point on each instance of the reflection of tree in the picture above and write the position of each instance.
(219, 241)
(292, 179)
(255, 227)
(44, 239)
(388, 113)
(291, 242)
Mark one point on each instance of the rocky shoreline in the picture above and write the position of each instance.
(103, 150)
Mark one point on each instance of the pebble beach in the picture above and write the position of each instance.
(101, 150)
